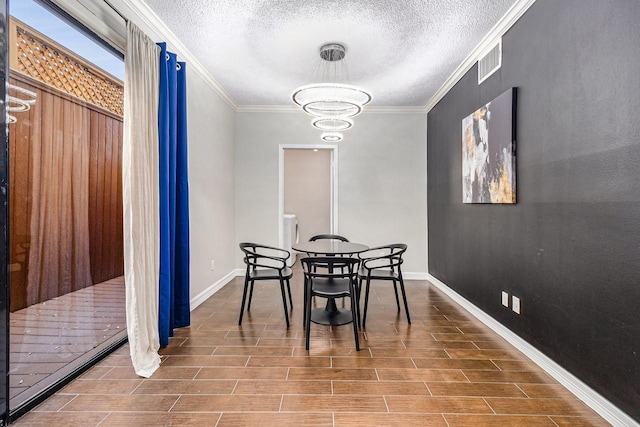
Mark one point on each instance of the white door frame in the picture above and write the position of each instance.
(333, 211)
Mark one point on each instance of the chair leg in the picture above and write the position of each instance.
(366, 302)
(244, 299)
(304, 304)
(307, 326)
(395, 291)
(284, 302)
(358, 295)
(404, 297)
(354, 312)
(290, 298)
(250, 295)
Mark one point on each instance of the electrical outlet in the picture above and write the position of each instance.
(515, 305)
(213, 265)
(505, 299)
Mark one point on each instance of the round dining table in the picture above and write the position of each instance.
(330, 315)
(330, 247)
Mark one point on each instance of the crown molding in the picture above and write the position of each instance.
(295, 109)
(502, 26)
(145, 15)
(268, 109)
(393, 110)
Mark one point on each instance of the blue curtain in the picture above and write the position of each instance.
(174, 309)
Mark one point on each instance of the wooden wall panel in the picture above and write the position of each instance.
(105, 204)
(119, 232)
(114, 238)
(93, 191)
(20, 200)
(106, 200)
(97, 267)
(57, 113)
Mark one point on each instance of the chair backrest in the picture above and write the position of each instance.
(263, 256)
(332, 267)
(328, 237)
(385, 256)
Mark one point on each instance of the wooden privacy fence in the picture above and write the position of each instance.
(65, 171)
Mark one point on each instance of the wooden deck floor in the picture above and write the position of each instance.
(49, 339)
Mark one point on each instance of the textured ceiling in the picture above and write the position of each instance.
(400, 50)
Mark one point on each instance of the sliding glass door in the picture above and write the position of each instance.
(4, 222)
(65, 250)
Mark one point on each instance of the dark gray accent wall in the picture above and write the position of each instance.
(570, 247)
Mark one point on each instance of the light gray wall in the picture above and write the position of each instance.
(211, 168)
(381, 178)
(211, 180)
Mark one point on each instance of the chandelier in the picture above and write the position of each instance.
(332, 104)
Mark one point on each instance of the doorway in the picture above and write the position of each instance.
(308, 188)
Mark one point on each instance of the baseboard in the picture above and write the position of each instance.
(582, 391)
(207, 293)
(415, 276)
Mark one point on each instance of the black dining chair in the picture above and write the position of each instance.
(328, 237)
(382, 263)
(339, 280)
(265, 263)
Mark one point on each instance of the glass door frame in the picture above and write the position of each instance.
(4, 218)
(8, 413)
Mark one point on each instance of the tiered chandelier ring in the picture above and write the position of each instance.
(331, 124)
(331, 99)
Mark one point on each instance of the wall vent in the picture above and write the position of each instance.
(490, 62)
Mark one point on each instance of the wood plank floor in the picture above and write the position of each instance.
(446, 369)
(48, 339)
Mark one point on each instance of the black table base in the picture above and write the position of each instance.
(331, 315)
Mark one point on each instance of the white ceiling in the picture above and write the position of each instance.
(400, 50)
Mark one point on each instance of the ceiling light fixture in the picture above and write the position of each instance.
(331, 124)
(332, 104)
(331, 137)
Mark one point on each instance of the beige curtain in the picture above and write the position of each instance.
(59, 247)
(140, 199)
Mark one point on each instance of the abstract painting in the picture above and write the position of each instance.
(489, 152)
